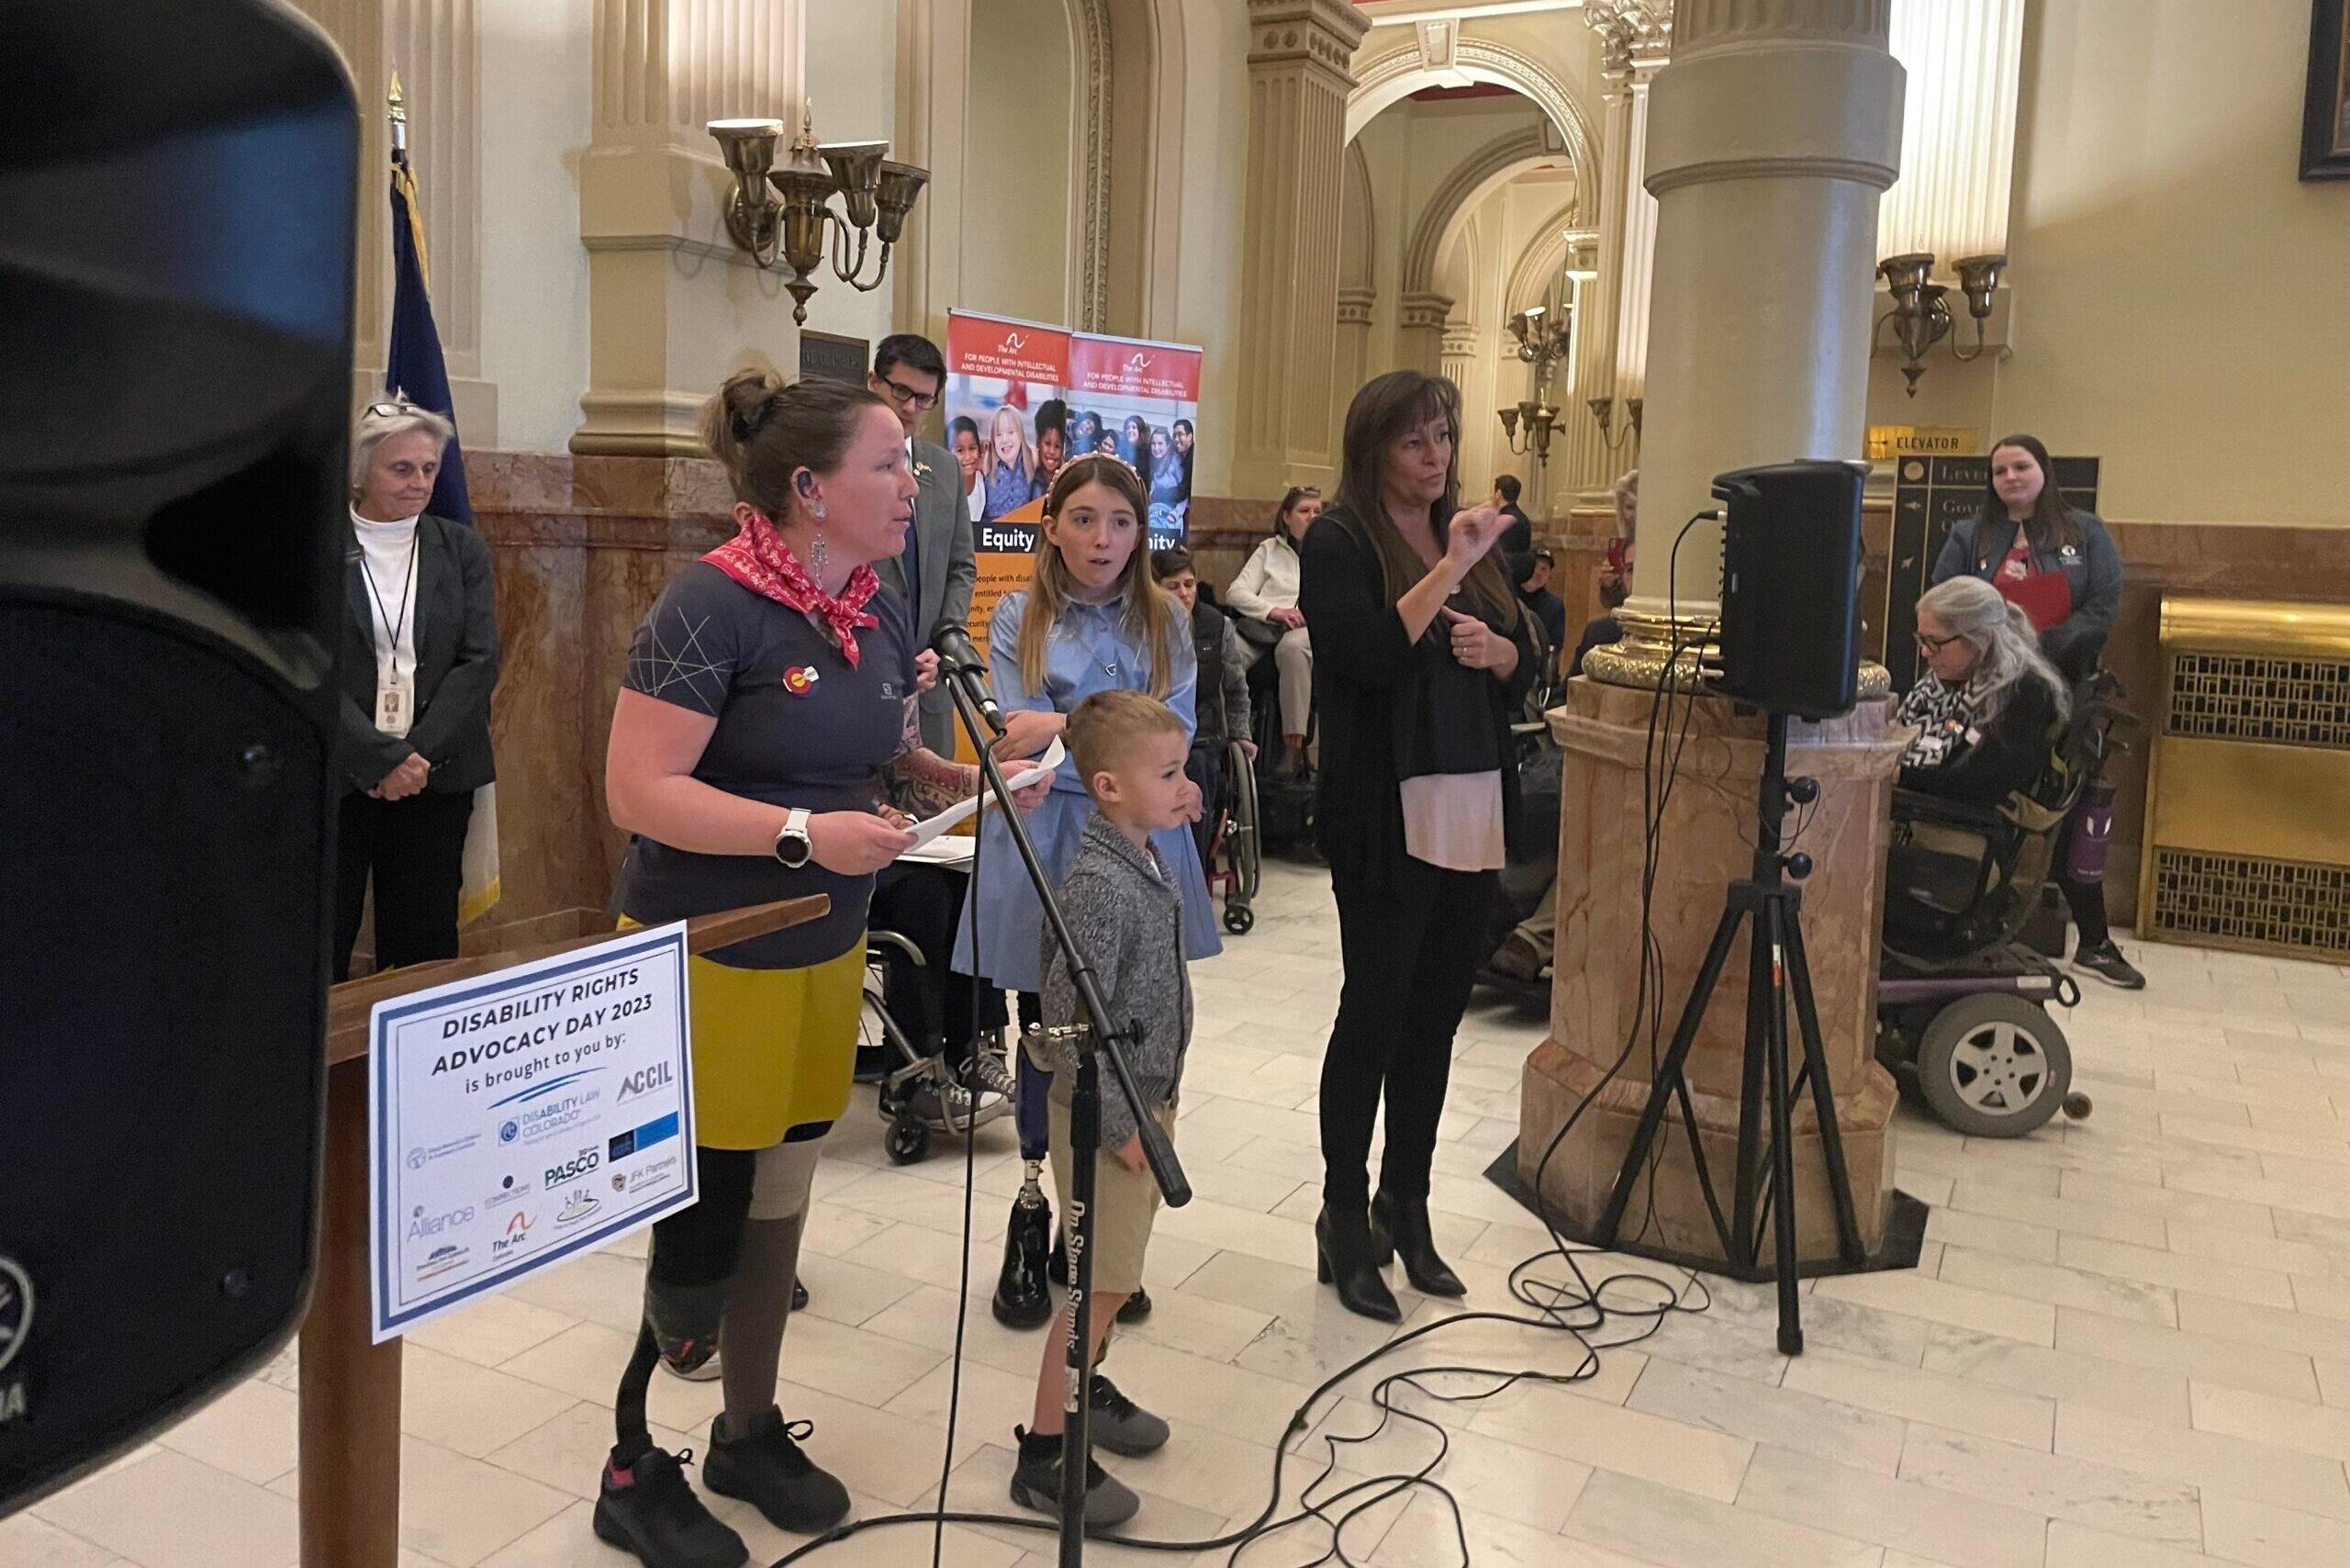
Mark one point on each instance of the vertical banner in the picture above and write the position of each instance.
(1023, 398)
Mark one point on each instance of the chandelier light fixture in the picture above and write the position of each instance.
(1921, 315)
(792, 224)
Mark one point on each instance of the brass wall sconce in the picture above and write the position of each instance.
(1922, 314)
(1542, 341)
(1540, 419)
(791, 224)
(1602, 413)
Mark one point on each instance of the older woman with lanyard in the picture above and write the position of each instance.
(420, 662)
(2058, 564)
(1423, 660)
(766, 744)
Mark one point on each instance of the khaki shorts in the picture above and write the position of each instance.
(1125, 1203)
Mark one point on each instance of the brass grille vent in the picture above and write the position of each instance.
(2248, 835)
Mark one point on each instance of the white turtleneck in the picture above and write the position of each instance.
(388, 581)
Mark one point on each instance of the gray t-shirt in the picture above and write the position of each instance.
(797, 726)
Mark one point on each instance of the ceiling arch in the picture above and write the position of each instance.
(1390, 78)
(1476, 177)
(1538, 265)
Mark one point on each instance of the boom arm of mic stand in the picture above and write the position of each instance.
(1157, 1150)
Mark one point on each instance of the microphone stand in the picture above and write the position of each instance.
(1096, 1039)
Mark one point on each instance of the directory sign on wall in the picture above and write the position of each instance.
(525, 1118)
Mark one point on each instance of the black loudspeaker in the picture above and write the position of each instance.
(177, 201)
(1791, 580)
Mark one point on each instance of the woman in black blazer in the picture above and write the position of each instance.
(419, 660)
(1421, 659)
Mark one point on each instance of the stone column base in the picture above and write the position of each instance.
(1703, 843)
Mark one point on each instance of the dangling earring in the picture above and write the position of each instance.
(816, 550)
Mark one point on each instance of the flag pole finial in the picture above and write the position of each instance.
(397, 107)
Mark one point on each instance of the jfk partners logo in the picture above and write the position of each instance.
(644, 1080)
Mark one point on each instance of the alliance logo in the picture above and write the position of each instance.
(16, 1310)
(583, 1204)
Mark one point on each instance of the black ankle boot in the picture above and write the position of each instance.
(1346, 1257)
(1056, 1266)
(1399, 1227)
(1020, 1299)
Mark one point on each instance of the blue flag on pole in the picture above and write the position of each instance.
(413, 367)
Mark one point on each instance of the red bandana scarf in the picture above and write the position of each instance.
(759, 559)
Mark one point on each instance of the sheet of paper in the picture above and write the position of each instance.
(961, 811)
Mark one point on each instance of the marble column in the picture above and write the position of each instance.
(1300, 72)
(1771, 136)
(1771, 133)
(672, 304)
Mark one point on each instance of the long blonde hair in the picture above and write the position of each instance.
(1150, 612)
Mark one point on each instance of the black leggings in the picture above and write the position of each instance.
(1411, 948)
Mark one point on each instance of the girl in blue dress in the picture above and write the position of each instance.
(1090, 620)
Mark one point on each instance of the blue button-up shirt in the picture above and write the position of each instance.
(1090, 650)
(1009, 489)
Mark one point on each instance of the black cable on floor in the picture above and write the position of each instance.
(1581, 1310)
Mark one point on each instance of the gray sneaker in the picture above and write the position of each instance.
(1036, 1484)
(1122, 1425)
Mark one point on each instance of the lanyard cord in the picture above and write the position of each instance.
(408, 583)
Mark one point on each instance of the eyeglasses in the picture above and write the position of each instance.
(392, 410)
(899, 393)
(1933, 644)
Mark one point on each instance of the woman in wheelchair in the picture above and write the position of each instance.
(1265, 595)
(1990, 711)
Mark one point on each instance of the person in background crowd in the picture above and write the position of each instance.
(935, 574)
(963, 435)
(1266, 591)
(1134, 445)
(1089, 621)
(1987, 707)
(1084, 433)
(1052, 441)
(936, 571)
(1517, 530)
(1550, 611)
(1107, 446)
(1615, 574)
(1215, 646)
(1424, 660)
(765, 744)
(420, 662)
(1009, 471)
(2059, 565)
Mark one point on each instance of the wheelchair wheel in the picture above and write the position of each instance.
(1238, 918)
(1242, 830)
(907, 1140)
(1993, 1066)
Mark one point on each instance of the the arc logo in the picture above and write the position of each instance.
(1013, 342)
(16, 1309)
(1139, 362)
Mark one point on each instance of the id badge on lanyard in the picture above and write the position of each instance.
(394, 698)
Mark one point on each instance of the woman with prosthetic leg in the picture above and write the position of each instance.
(766, 744)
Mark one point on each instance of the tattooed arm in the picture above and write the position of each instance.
(918, 780)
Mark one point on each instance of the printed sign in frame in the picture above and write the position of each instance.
(522, 1118)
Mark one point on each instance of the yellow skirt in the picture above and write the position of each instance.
(773, 1049)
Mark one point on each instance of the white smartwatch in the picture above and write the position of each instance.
(792, 844)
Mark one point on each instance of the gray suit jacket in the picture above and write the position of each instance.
(947, 561)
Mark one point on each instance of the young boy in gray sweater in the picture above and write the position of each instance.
(1125, 911)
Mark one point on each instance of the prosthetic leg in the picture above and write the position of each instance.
(1021, 1298)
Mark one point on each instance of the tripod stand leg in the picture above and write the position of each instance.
(1772, 920)
(1823, 1097)
(1669, 1073)
(1751, 1190)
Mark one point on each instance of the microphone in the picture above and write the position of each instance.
(959, 661)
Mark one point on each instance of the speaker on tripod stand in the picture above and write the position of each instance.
(1789, 645)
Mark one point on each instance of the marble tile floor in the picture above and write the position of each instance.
(2126, 1344)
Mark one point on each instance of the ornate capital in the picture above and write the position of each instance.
(1313, 33)
(1422, 312)
(1354, 302)
(1635, 36)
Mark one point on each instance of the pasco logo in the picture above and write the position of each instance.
(578, 1165)
(583, 1202)
(644, 1080)
(16, 1309)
